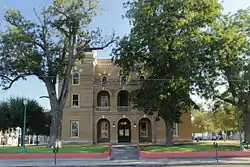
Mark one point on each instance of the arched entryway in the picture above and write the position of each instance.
(123, 100)
(103, 101)
(103, 131)
(124, 130)
(145, 130)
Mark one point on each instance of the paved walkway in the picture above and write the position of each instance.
(124, 152)
(199, 154)
(51, 156)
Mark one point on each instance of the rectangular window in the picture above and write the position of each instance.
(104, 101)
(176, 129)
(75, 100)
(74, 128)
(123, 80)
(75, 81)
(143, 129)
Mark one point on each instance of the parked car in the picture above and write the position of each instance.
(219, 137)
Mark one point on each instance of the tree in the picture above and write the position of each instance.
(49, 49)
(224, 118)
(4, 124)
(12, 111)
(229, 64)
(202, 122)
(169, 41)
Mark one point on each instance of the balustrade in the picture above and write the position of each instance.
(113, 108)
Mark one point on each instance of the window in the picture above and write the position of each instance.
(104, 101)
(104, 129)
(75, 79)
(143, 129)
(176, 129)
(75, 100)
(142, 79)
(104, 80)
(123, 80)
(74, 128)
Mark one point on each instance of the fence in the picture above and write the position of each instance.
(15, 140)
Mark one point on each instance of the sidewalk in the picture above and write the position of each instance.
(144, 154)
(51, 156)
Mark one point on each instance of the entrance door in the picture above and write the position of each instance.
(124, 130)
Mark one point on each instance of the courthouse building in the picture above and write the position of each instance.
(98, 109)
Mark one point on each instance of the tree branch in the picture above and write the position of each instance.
(12, 81)
(225, 100)
(112, 40)
(101, 47)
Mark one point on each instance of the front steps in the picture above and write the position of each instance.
(124, 152)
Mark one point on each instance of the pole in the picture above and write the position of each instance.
(238, 120)
(241, 143)
(55, 159)
(24, 129)
(155, 131)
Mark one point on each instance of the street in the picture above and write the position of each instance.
(205, 162)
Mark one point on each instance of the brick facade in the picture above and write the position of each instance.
(98, 108)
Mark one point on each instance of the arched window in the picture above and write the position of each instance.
(123, 80)
(103, 131)
(142, 79)
(104, 80)
(76, 79)
(143, 128)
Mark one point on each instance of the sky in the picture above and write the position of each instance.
(109, 20)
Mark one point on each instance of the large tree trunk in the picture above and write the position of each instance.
(57, 106)
(56, 124)
(169, 132)
(247, 126)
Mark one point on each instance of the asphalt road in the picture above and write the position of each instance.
(241, 162)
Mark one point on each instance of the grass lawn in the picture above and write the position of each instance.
(192, 147)
(64, 149)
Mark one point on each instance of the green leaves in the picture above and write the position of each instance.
(50, 48)
(11, 116)
(72, 16)
(171, 41)
(225, 117)
(202, 122)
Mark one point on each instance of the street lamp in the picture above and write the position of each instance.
(25, 102)
(236, 99)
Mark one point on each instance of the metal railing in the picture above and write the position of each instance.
(124, 108)
(117, 82)
(102, 108)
